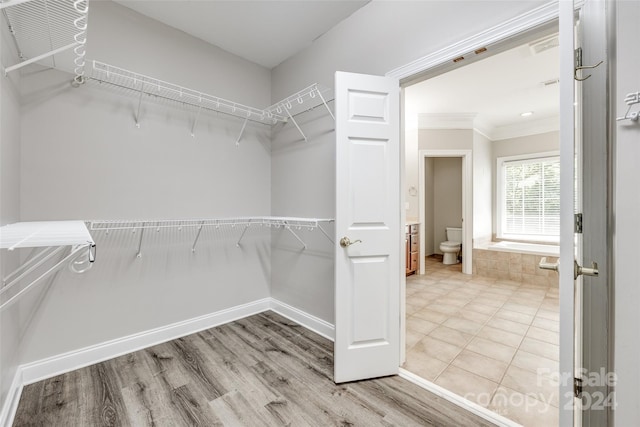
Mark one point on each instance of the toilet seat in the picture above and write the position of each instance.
(450, 244)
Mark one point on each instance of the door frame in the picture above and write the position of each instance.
(531, 25)
(467, 203)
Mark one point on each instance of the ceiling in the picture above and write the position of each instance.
(263, 31)
(494, 92)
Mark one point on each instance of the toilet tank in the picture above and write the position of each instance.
(454, 234)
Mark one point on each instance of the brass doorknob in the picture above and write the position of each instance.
(345, 242)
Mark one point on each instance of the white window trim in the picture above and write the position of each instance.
(500, 202)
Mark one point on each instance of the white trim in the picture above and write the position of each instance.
(527, 21)
(59, 364)
(11, 401)
(313, 323)
(460, 401)
(499, 208)
(467, 203)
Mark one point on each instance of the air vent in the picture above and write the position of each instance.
(551, 82)
(544, 44)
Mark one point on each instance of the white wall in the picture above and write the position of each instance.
(429, 203)
(447, 197)
(541, 143)
(482, 187)
(82, 157)
(627, 209)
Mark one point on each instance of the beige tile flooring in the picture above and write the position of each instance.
(492, 341)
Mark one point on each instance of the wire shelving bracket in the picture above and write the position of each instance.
(301, 101)
(54, 237)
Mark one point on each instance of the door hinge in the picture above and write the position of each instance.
(577, 387)
(578, 57)
(577, 223)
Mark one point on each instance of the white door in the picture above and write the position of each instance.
(583, 136)
(368, 265)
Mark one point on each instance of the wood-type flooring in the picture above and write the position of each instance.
(264, 370)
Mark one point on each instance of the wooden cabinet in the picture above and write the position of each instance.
(412, 248)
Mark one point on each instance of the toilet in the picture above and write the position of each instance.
(452, 246)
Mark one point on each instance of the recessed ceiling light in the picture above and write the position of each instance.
(527, 114)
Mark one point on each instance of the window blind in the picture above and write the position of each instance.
(531, 197)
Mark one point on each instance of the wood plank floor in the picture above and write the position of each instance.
(263, 370)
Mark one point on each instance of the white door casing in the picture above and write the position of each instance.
(567, 133)
(368, 272)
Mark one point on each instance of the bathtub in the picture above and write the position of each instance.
(525, 248)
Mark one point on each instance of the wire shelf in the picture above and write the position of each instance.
(308, 223)
(44, 233)
(151, 86)
(48, 32)
(303, 100)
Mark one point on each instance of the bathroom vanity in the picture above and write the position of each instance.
(412, 247)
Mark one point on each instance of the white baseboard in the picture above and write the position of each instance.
(13, 398)
(307, 320)
(460, 401)
(59, 364)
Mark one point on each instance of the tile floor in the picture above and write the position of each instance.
(492, 341)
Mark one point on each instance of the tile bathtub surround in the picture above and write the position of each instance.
(485, 338)
(516, 267)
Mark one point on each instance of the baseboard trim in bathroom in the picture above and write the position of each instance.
(465, 404)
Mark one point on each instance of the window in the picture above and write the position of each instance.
(529, 197)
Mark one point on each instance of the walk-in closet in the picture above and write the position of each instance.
(204, 209)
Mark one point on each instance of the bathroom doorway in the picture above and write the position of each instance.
(445, 201)
(486, 330)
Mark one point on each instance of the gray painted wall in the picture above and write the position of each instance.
(627, 207)
(303, 185)
(9, 207)
(82, 157)
(385, 35)
(447, 197)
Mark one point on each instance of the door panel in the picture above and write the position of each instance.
(368, 270)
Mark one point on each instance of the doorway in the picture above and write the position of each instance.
(489, 333)
(458, 198)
